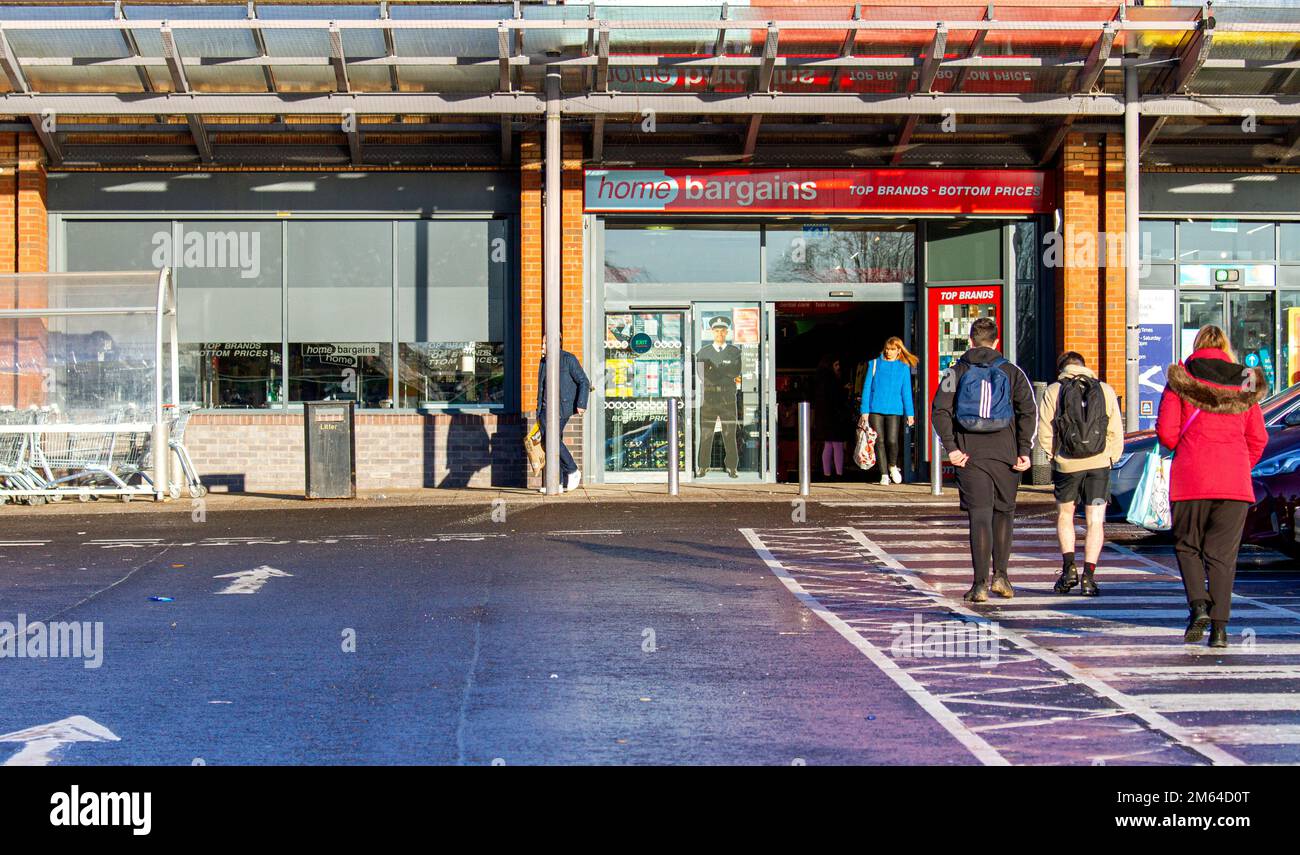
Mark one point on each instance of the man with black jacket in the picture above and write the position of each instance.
(574, 389)
(988, 462)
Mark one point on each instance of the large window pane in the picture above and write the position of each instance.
(1027, 314)
(452, 278)
(963, 252)
(1225, 240)
(681, 253)
(340, 312)
(1157, 240)
(1289, 245)
(825, 253)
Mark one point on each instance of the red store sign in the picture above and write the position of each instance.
(819, 191)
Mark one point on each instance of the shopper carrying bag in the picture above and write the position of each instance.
(1210, 418)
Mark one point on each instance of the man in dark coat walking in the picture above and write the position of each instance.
(574, 388)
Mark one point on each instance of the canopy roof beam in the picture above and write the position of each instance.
(975, 52)
(1194, 56)
(341, 82)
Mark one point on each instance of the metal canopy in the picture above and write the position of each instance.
(440, 83)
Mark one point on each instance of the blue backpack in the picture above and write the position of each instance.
(983, 400)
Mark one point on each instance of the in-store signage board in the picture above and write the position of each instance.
(1021, 192)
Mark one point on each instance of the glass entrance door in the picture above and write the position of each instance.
(730, 419)
(645, 368)
(1247, 317)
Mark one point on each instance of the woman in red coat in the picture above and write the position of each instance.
(1209, 416)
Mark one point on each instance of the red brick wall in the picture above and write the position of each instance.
(24, 248)
(263, 452)
(1090, 304)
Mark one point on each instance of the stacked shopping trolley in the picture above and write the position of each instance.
(45, 458)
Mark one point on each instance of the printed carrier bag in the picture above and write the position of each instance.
(535, 452)
(1150, 508)
(864, 451)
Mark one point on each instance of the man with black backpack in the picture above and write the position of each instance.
(985, 417)
(1079, 422)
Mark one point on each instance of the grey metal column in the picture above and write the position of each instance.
(674, 450)
(551, 280)
(1132, 248)
(805, 447)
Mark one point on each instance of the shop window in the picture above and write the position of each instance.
(1157, 240)
(681, 253)
(1027, 299)
(340, 310)
(823, 253)
(963, 252)
(1289, 243)
(452, 278)
(228, 277)
(1289, 346)
(1225, 240)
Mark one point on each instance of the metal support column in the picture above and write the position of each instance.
(674, 450)
(936, 464)
(551, 281)
(1132, 249)
(805, 447)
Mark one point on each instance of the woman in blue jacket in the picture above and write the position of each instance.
(886, 401)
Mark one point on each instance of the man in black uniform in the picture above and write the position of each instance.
(718, 365)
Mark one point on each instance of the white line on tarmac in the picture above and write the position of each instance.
(1136, 706)
(1224, 701)
(974, 743)
(1251, 734)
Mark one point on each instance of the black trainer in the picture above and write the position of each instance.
(1067, 580)
(1197, 622)
(978, 593)
(1087, 586)
(1219, 633)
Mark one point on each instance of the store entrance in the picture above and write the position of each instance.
(812, 334)
(1247, 317)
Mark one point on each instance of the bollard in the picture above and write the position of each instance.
(936, 464)
(805, 447)
(674, 450)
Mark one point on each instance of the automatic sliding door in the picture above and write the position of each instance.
(728, 392)
(1251, 330)
(644, 369)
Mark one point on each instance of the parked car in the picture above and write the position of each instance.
(1125, 473)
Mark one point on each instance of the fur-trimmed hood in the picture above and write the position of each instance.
(1209, 381)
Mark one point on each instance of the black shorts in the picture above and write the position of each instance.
(1091, 486)
(987, 484)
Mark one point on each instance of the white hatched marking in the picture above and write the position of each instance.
(1224, 701)
(1251, 734)
(973, 742)
(1134, 705)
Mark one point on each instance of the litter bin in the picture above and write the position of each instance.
(330, 449)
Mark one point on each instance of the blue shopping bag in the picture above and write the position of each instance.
(1150, 508)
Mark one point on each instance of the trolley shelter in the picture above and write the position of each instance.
(88, 384)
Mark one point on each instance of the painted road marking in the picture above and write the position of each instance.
(1006, 691)
(976, 744)
(1133, 705)
(1224, 701)
(249, 581)
(44, 740)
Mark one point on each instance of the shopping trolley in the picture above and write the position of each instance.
(137, 456)
(16, 472)
(74, 460)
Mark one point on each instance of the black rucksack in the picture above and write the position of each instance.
(1081, 419)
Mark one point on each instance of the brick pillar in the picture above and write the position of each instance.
(1090, 279)
(24, 248)
(532, 220)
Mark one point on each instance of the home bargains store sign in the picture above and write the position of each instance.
(819, 191)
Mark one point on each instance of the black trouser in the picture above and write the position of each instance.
(1207, 535)
(714, 405)
(567, 465)
(889, 446)
(988, 496)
